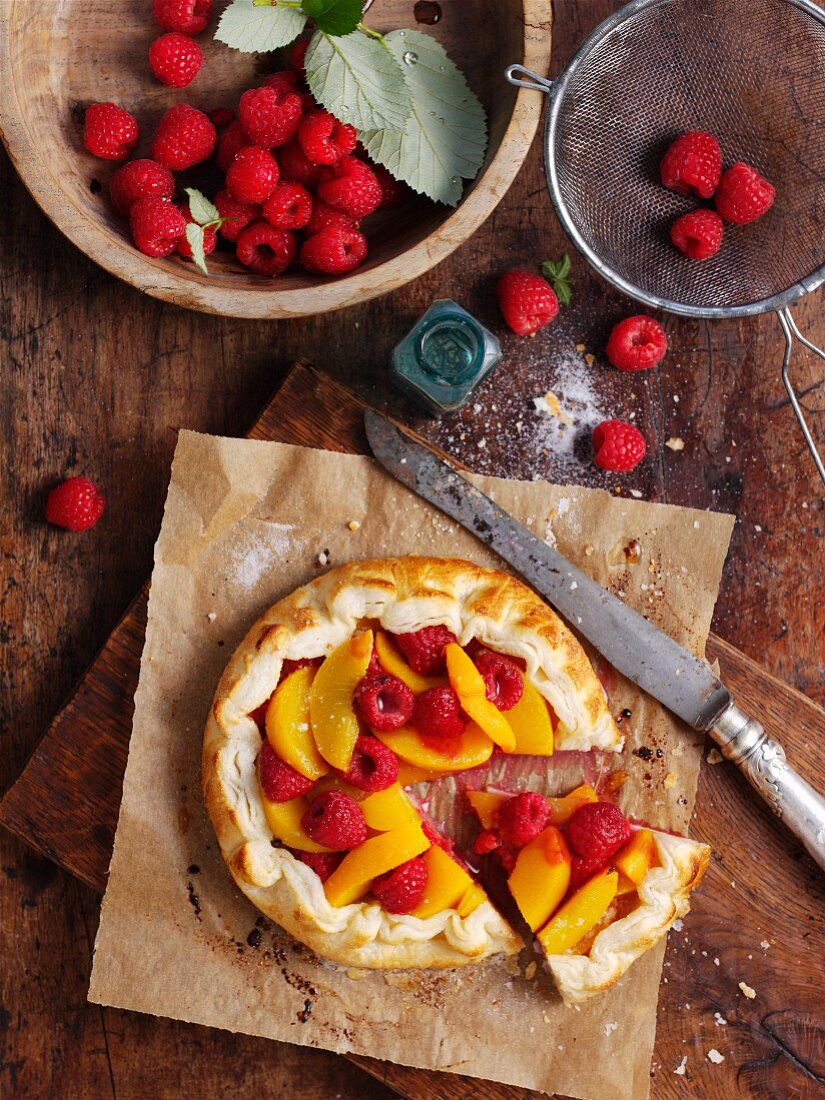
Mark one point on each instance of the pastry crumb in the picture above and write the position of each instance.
(670, 780)
(675, 443)
(720, 1019)
(765, 944)
(211, 616)
(579, 347)
(611, 1025)
(588, 550)
(530, 971)
(590, 359)
(323, 557)
(749, 992)
(715, 1057)
(714, 757)
(354, 524)
(680, 1069)
(636, 494)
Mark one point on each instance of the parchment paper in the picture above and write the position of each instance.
(245, 523)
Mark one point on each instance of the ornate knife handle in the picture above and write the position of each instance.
(744, 741)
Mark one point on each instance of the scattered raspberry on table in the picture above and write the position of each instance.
(175, 59)
(527, 301)
(109, 131)
(637, 343)
(744, 195)
(76, 504)
(698, 234)
(618, 446)
(692, 165)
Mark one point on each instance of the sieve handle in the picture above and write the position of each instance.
(790, 329)
(527, 78)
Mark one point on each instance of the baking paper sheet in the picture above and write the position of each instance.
(245, 523)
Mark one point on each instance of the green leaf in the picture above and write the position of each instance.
(556, 272)
(445, 136)
(358, 80)
(564, 292)
(202, 210)
(334, 16)
(254, 28)
(194, 235)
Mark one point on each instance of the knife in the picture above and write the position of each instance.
(634, 646)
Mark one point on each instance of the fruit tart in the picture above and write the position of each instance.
(594, 889)
(378, 675)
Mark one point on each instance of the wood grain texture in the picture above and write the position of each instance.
(54, 58)
(90, 736)
(96, 379)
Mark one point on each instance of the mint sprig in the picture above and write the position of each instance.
(557, 273)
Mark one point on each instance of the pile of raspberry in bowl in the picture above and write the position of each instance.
(295, 182)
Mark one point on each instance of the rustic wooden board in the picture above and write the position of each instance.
(66, 804)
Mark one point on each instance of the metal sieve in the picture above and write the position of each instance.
(752, 72)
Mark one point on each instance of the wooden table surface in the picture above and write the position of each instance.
(97, 379)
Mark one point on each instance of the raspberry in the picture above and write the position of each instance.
(373, 766)
(221, 117)
(233, 139)
(424, 648)
(392, 190)
(184, 137)
(351, 186)
(76, 504)
(698, 234)
(437, 713)
(325, 216)
(175, 59)
(289, 666)
(297, 55)
(156, 225)
(322, 863)
(334, 251)
(583, 868)
(264, 249)
(186, 16)
(109, 131)
(692, 165)
(283, 81)
(618, 446)
(138, 179)
(252, 176)
(744, 195)
(486, 841)
(384, 702)
(210, 237)
(402, 889)
(289, 206)
(502, 678)
(598, 830)
(324, 139)
(527, 301)
(270, 116)
(336, 821)
(279, 781)
(637, 343)
(295, 165)
(522, 818)
(436, 838)
(238, 214)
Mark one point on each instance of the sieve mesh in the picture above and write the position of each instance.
(752, 72)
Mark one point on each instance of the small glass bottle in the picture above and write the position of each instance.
(444, 357)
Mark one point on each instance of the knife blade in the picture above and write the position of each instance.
(634, 646)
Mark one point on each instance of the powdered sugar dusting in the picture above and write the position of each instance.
(569, 411)
(259, 553)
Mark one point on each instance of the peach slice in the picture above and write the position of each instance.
(472, 748)
(531, 724)
(284, 819)
(468, 684)
(393, 662)
(581, 912)
(540, 877)
(471, 901)
(626, 885)
(637, 856)
(409, 774)
(485, 804)
(287, 725)
(447, 884)
(562, 809)
(389, 809)
(353, 876)
(334, 722)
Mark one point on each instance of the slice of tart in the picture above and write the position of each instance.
(378, 674)
(596, 890)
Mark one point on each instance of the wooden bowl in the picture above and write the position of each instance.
(57, 57)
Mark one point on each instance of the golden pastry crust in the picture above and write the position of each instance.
(664, 896)
(402, 595)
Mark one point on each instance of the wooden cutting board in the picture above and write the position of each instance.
(66, 801)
